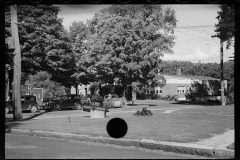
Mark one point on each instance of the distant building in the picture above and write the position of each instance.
(181, 85)
(81, 90)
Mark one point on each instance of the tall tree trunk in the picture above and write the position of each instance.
(124, 86)
(100, 89)
(76, 86)
(6, 84)
(133, 95)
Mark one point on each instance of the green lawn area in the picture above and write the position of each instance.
(188, 125)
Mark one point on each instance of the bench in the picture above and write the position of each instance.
(95, 111)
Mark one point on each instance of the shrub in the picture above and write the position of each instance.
(174, 97)
(144, 112)
(165, 97)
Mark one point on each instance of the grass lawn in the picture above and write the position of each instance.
(188, 125)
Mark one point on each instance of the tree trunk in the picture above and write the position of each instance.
(76, 86)
(100, 89)
(6, 84)
(124, 87)
(133, 95)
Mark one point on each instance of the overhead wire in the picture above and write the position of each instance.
(193, 14)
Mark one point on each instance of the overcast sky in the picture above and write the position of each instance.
(192, 44)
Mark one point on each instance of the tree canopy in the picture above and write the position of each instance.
(127, 41)
(226, 16)
(45, 45)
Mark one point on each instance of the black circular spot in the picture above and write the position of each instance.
(117, 128)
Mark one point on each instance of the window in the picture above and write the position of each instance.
(158, 90)
(180, 89)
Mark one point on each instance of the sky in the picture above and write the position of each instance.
(194, 29)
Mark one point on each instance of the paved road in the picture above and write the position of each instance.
(26, 147)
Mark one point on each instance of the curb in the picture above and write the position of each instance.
(182, 148)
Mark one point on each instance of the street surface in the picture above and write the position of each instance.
(27, 147)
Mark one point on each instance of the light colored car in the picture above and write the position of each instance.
(112, 101)
(28, 102)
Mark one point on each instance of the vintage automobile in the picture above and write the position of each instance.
(85, 100)
(50, 104)
(28, 102)
(72, 101)
(112, 101)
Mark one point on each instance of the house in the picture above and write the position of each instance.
(182, 85)
(81, 90)
(200, 87)
(105, 89)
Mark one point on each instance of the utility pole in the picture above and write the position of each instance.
(221, 67)
(16, 94)
(222, 27)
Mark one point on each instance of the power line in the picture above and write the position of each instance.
(194, 15)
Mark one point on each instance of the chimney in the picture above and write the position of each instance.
(179, 72)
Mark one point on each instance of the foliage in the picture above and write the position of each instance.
(45, 45)
(77, 35)
(42, 80)
(201, 69)
(127, 42)
(225, 17)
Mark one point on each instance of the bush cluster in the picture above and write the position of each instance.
(144, 112)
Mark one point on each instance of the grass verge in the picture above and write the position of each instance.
(179, 126)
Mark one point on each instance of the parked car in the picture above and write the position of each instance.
(112, 101)
(70, 102)
(50, 104)
(28, 102)
(85, 100)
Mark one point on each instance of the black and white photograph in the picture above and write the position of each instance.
(119, 81)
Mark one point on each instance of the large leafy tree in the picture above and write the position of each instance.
(126, 41)
(226, 16)
(79, 72)
(45, 45)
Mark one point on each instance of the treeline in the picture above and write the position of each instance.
(201, 69)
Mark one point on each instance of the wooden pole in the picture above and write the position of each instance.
(221, 67)
(16, 93)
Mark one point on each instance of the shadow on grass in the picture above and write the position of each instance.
(10, 123)
(197, 103)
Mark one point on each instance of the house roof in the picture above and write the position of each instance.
(191, 77)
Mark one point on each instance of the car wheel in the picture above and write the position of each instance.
(33, 109)
(6, 110)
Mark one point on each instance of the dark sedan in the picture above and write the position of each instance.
(70, 102)
(28, 102)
